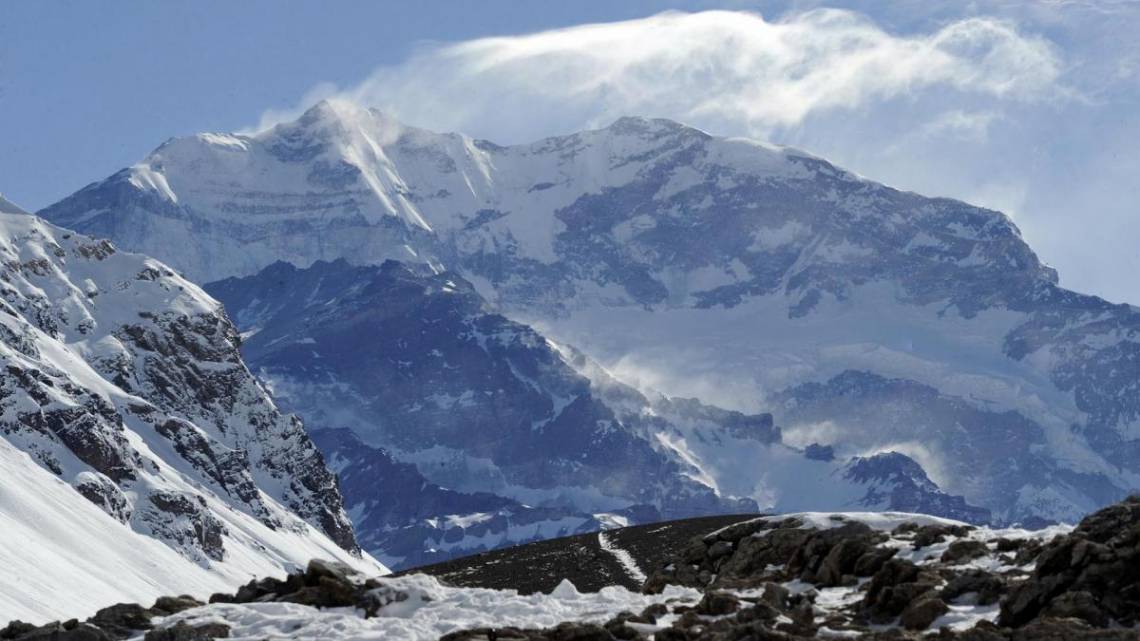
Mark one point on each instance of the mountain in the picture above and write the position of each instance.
(751, 277)
(139, 455)
(414, 384)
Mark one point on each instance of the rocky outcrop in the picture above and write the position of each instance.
(761, 551)
(801, 577)
(116, 622)
(1091, 574)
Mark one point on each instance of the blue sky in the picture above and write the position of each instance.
(1028, 107)
(87, 88)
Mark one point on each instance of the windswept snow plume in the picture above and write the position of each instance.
(698, 67)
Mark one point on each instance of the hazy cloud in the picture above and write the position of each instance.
(715, 67)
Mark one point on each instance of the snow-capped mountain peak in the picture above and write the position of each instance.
(753, 277)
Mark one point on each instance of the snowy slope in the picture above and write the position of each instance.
(64, 557)
(127, 417)
(751, 277)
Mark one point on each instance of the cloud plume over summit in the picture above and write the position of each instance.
(725, 69)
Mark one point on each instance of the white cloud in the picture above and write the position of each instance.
(727, 68)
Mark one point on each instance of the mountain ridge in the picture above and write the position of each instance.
(721, 269)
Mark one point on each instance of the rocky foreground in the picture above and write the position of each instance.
(805, 576)
(817, 576)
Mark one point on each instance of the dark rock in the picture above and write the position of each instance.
(873, 560)
(1068, 630)
(15, 629)
(963, 551)
(654, 612)
(905, 528)
(319, 568)
(1077, 605)
(121, 619)
(719, 549)
(928, 535)
(183, 631)
(830, 554)
(776, 596)
(988, 587)
(175, 604)
(718, 603)
(327, 593)
(922, 612)
(760, 612)
(1028, 552)
(58, 632)
(754, 554)
(579, 632)
(1009, 545)
(894, 587)
(1092, 573)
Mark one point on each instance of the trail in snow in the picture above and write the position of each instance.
(623, 557)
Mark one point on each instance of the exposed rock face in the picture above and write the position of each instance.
(124, 380)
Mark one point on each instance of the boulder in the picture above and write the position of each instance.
(963, 551)
(167, 605)
(182, 631)
(715, 603)
(120, 620)
(894, 587)
(988, 587)
(922, 612)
